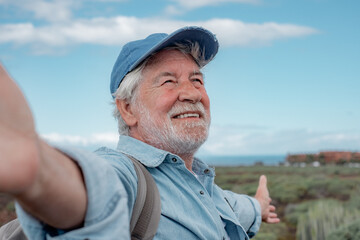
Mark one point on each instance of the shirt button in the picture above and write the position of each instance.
(202, 192)
(206, 171)
(174, 160)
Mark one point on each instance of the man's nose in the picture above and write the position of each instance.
(188, 92)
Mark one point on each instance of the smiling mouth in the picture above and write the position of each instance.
(187, 115)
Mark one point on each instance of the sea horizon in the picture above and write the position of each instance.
(242, 160)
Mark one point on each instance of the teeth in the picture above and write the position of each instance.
(188, 115)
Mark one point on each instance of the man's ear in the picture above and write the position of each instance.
(126, 112)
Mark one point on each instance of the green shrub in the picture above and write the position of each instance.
(294, 211)
(10, 206)
(287, 189)
(340, 188)
(322, 218)
(272, 232)
(347, 232)
(354, 201)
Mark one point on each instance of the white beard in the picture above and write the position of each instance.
(184, 139)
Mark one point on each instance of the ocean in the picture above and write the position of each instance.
(268, 160)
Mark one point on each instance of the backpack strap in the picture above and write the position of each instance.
(12, 231)
(147, 208)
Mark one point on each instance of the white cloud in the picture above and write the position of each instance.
(121, 29)
(182, 6)
(106, 0)
(191, 4)
(53, 11)
(94, 140)
(60, 29)
(237, 140)
(173, 10)
(237, 33)
(232, 140)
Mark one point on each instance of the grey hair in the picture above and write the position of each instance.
(127, 90)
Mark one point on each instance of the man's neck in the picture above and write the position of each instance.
(188, 159)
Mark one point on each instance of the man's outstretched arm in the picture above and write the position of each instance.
(46, 183)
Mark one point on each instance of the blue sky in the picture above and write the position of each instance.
(286, 79)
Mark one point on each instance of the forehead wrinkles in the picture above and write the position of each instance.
(167, 64)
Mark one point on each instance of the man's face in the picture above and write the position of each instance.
(172, 107)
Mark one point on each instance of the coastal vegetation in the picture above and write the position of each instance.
(312, 202)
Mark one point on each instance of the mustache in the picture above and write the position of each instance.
(180, 108)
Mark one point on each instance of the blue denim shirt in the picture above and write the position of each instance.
(192, 206)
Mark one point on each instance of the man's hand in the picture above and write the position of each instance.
(268, 214)
(19, 146)
(46, 183)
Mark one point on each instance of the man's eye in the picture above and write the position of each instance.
(198, 81)
(167, 82)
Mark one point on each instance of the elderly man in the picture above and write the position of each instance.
(163, 113)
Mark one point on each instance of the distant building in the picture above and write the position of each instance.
(324, 157)
(316, 164)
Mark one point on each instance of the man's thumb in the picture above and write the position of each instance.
(262, 181)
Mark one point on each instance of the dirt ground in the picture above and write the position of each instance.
(7, 211)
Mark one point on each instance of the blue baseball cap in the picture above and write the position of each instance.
(133, 53)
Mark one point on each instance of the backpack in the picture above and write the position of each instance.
(145, 216)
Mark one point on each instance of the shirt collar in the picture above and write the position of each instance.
(151, 156)
(145, 153)
(200, 168)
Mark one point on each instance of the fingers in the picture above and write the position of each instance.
(272, 220)
(272, 208)
(271, 216)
